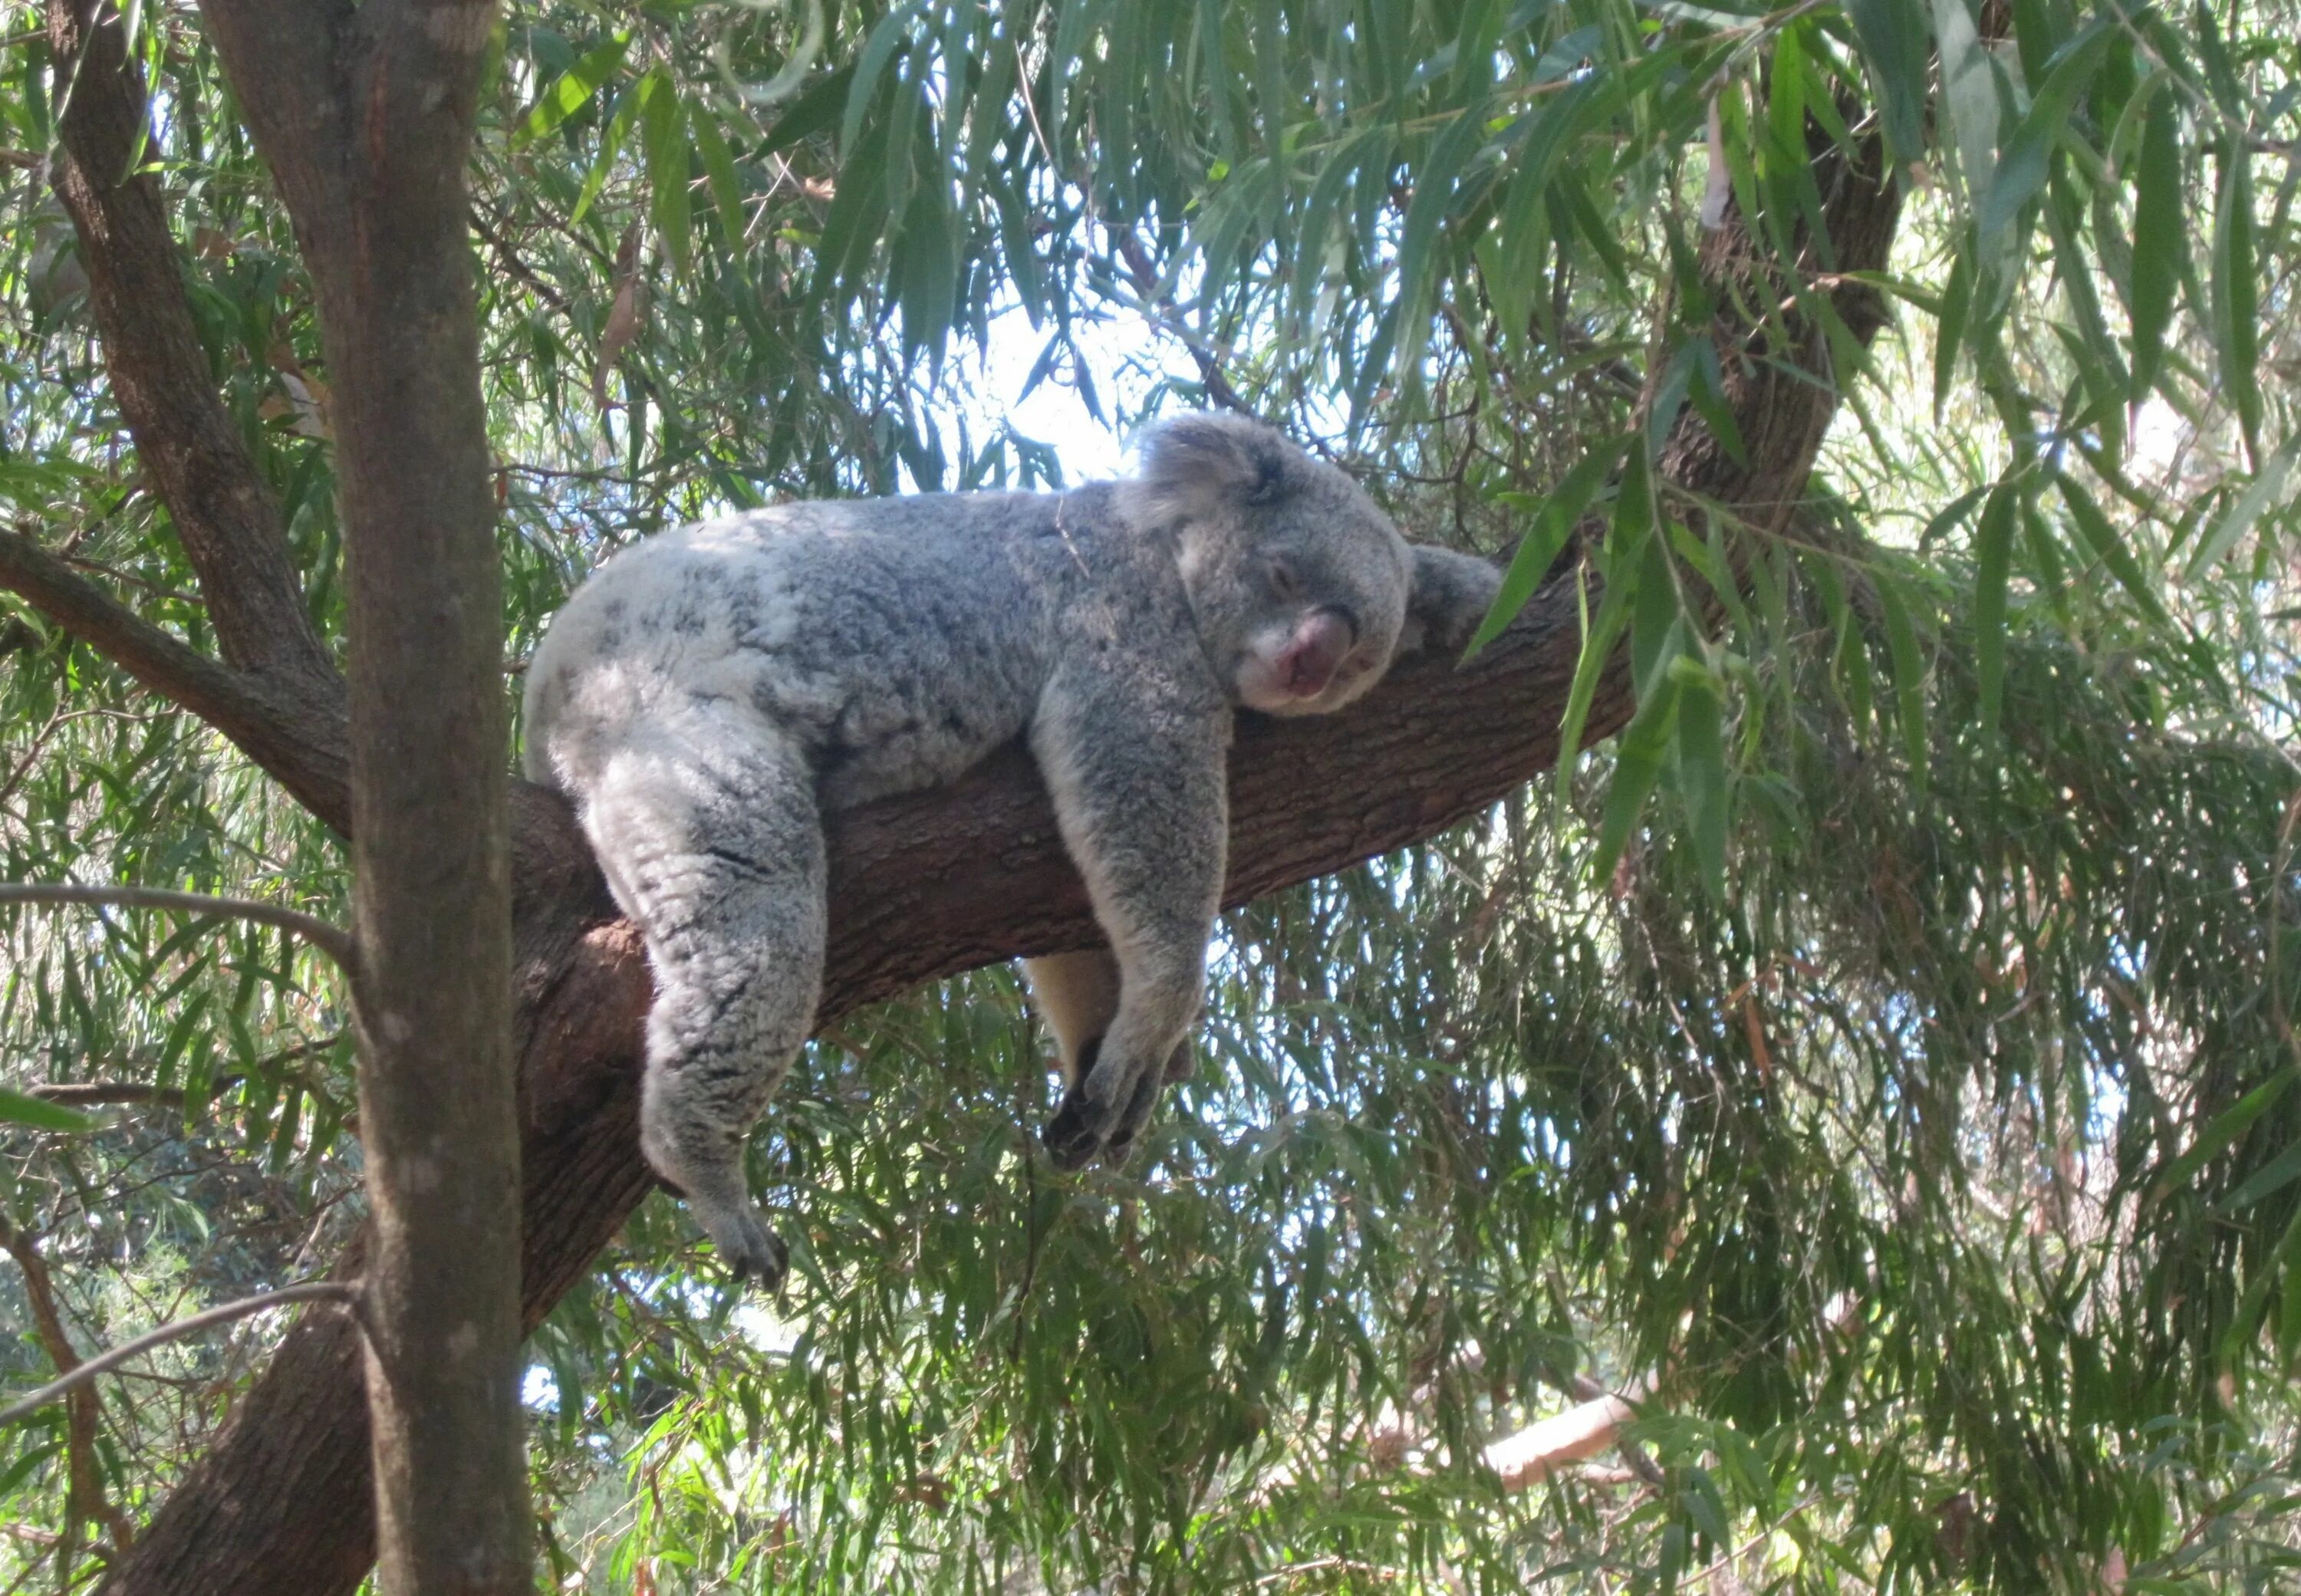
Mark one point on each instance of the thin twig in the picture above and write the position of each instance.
(1726, 1563)
(317, 1290)
(1161, 313)
(2277, 1006)
(1322, 1565)
(517, 267)
(102, 1094)
(88, 1094)
(156, 588)
(551, 473)
(85, 1498)
(32, 755)
(1031, 106)
(1031, 1256)
(327, 937)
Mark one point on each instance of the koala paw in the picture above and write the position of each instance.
(1138, 1108)
(751, 1251)
(1085, 1126)
(1076, 1134)
(1182, 1064)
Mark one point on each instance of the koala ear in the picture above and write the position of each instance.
(1450, 594)
(1202, 462)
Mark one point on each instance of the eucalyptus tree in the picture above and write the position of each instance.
(1863, 1098)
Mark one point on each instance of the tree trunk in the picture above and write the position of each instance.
(430, 874)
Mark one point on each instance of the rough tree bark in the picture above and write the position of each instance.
(922, 886)
(365, 117)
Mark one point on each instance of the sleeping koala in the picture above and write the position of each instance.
(709, 694)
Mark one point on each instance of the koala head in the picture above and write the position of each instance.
(1298, 584)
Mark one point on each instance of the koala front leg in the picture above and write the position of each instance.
(708, 829)
(1136, 771)
(1449, 596)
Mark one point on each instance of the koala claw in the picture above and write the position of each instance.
(1137, 1113)
(751, 1251)
(1085, 1126)
(1073, 1138)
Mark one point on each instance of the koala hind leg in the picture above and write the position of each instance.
(708, 829)
(1078, 994)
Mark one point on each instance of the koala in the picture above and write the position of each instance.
(707, 697)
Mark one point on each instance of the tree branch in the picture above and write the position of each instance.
(283, 704)
(224, 513)
(1528, 1456)
(84, 1494)
(330, 938)
(1158, 310)
(301, 117)
(103, 1094)
(292, 726)
(104, 1363)
(1584, 1389)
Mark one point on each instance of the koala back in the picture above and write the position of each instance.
(895, 641)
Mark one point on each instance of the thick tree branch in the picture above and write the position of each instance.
(1523, 1458)
(365, 115)
(1585, 1389)
(286, 708)
(293, 52)
(1528, 1456)
(292, 726)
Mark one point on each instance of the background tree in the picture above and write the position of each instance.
(1878, 1067)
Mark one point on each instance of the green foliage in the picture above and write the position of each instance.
(22, 1108)
(1882, 1056)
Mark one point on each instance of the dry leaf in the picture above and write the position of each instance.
(307, 397)
(623, 315)
(1720, 187)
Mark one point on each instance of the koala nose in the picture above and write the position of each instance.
(1315, 652)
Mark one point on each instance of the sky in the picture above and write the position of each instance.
(1120, 355)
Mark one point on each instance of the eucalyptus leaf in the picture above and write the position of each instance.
(21, 1109)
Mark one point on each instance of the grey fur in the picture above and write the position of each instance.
(708, 695)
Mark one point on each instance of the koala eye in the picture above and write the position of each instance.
(1284, 583)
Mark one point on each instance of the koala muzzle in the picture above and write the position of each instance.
(1321, 640)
